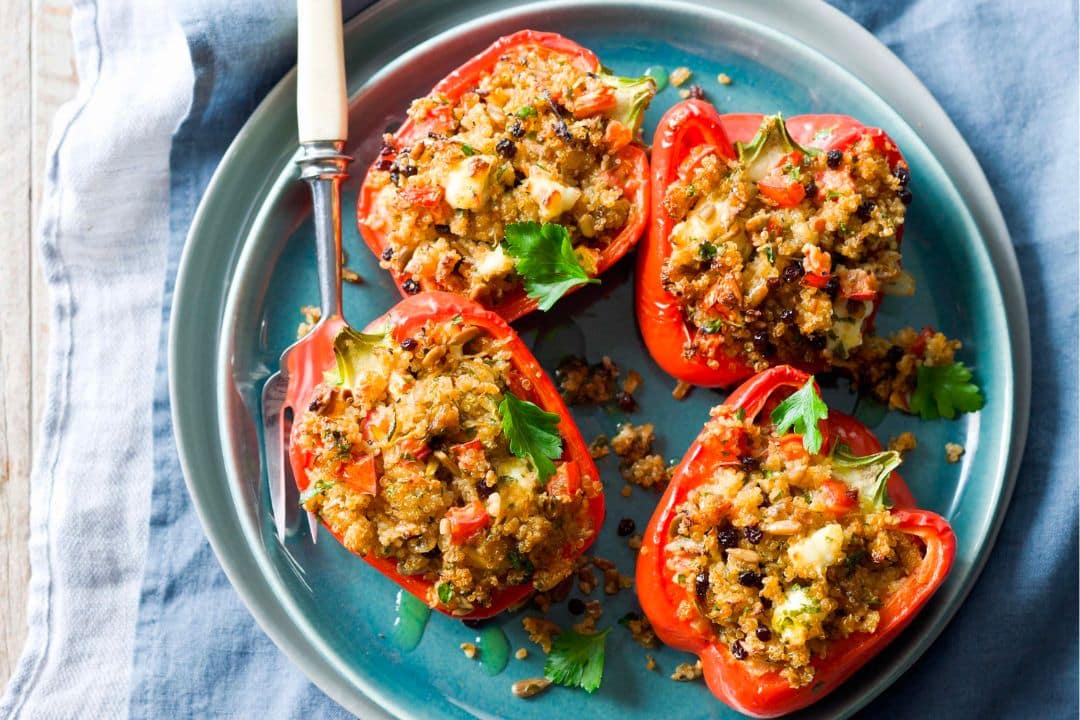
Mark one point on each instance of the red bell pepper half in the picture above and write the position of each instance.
(731, 680)
(688, 132)
(631, 172)
(528, 381)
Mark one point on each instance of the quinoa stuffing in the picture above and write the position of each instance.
(411, 463)
(639, 464)
(817, 565)
(778, 256)
(537, 140)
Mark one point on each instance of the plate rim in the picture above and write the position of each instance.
(879, 69)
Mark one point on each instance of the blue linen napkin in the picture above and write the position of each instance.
(1006, 73)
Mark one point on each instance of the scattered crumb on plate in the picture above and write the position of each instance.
(679, 75)
(686, 672)
(904, 442)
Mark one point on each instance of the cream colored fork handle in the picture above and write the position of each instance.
(321, 105)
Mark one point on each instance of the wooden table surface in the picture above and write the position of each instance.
(37, 75)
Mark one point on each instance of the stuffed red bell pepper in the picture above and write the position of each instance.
(770, 242)
(515, 180)
(774, 555)
(439, 451)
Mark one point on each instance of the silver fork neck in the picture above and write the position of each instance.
(322, 165)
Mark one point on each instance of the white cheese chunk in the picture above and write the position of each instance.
(467, 184)
(494, 263)
(795, 616)
(516, 485)
(847, 331)
(813, 555)
(552, 196)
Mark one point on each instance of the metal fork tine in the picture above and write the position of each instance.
(273, 399)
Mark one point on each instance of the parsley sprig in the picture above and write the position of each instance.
(801, 411)
(532, 433)
(577, 660)
(942, 390)
(545, 260)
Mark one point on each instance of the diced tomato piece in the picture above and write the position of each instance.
(791, 448)
(439, 118)
(594, 102)
(793, 158)
(617, 136)
(419, 449)
(424, 195)
(837, 498)
(467, 521)
(359, 474)
(783, 192)
(469, 455)
(567, 480)
(377, 423)
(817, 263)
(693, 159)
(858, 285)
(919, 346)
(816, 280)
(725, 297)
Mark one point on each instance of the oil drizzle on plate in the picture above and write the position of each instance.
(412, 617)
(659, 75)
(494, 649)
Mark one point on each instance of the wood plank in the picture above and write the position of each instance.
(15, 319)
(36, 76)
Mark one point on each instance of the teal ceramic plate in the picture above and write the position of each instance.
(249, 266)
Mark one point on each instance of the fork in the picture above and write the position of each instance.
(322, 122)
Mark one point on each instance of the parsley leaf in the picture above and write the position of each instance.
(706, 250)
(546, 260)
(532, 432)
(446, 592)
(467, 150)
(526, 111)
(576, 660)
(942, 390)
(801, 411)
